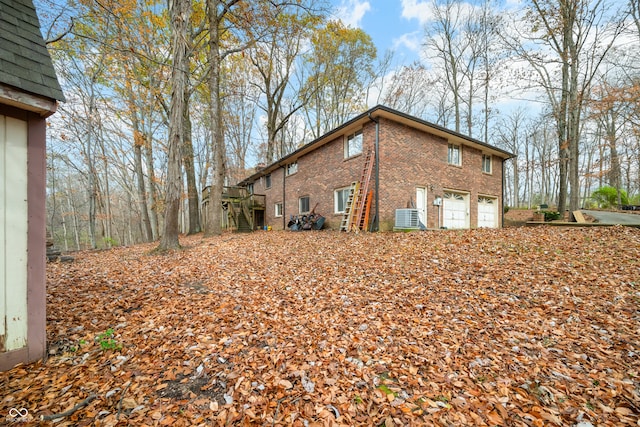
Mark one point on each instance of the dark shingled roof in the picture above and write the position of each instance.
(25, 63)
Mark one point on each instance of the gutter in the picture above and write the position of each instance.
(375, 226)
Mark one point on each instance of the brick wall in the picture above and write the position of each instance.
(319, 175)
(409, 158)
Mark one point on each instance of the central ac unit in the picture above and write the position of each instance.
(407, 218)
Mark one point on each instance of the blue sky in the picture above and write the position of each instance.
(392, 24)
(399, 26)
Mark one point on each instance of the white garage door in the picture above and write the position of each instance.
(13, 233)
(487, 212)
(454, 210)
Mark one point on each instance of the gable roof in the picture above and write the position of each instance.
(373, 114)
(25, 63)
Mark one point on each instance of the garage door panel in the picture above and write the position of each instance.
(454, 207)
(487, 212)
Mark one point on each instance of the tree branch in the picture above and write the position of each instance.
(80, 405)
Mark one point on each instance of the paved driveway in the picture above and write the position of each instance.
(604, 217)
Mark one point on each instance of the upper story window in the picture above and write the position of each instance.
(455, 155)
(292, 168)
(353, 145)
(267, 181)
(250, 188)
(486, 163)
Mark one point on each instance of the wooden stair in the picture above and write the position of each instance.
(240, 216)
(243, 224)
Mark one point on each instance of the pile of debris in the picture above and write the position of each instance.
(310, 221)
(53, 253)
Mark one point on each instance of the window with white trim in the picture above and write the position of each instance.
(454, 156)
(353, 144)
(292, 168)
(486, 163)
(278, 209)
(303, 205)
(267, 181)
(340, 197)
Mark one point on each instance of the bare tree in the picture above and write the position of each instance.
(234, 26)
(240, 112)
(274, 58)
(572, 39)
(410, 90)
(511, 134)
(446, 47)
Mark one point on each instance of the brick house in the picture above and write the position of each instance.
(29, 92)
(445, 179)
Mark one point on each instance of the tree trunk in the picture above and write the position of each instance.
(142, 191)
(214, 219)
(189, 169)
(106, 198)
(455, 86)
(92, 179)
(573, 128)
(615, 172)
(180, 11)
(152, 191)
(138, 143)
(74, 214)
(561, 124)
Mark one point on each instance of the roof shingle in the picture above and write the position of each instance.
(24, 60)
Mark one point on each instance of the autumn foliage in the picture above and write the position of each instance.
(518, 327)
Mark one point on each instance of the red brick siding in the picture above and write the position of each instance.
(409, 158)
(273, 195)
(319, 175)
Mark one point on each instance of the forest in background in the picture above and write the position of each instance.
(163, 101)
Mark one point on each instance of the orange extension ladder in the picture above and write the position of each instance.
(356, 212)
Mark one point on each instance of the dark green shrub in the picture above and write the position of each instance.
(551, 215)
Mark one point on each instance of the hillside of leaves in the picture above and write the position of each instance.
(515, 327)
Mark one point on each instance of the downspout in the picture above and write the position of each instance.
(502, 202)
(284, 198)
(376, 222)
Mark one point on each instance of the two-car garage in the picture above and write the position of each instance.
(455, 211)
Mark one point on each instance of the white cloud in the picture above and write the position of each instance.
(416, 9)
(351, 12)
(411, 41)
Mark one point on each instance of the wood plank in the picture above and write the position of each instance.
(579, 217)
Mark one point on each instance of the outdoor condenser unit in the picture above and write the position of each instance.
(407, 218)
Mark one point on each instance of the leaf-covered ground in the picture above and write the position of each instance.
(516, 327)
